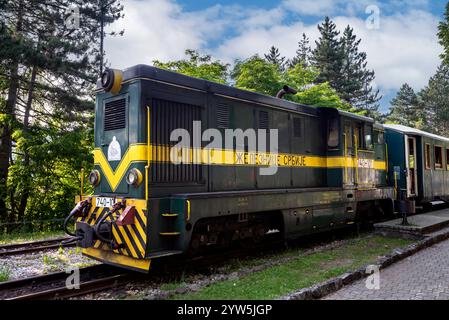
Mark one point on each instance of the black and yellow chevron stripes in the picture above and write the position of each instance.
(132, 239)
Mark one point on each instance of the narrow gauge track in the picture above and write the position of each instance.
(33, 246)
(53, 285)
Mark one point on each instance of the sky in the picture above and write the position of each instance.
(399, 36)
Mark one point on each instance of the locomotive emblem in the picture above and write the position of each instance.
(114, 150)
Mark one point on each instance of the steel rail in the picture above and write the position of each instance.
(32, 246)
(53, 285)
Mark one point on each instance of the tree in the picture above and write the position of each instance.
(274, 57)
(50, 69)
(198, 66)
(443, 35)
(356, 80)
(257, 74)
(321, 95)
(435, 102)
(406, 109)
(303, 53)
(328, 55)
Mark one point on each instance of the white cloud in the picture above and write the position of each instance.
(160, 29)
(404, 49)
(328, 7)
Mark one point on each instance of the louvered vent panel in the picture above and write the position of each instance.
(167, 116)
(223, 116)
(115, 115)
(263, 120)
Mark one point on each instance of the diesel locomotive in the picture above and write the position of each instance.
(332, 169)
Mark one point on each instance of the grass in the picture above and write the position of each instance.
(300, 272)
(16, 237)
(5, 273)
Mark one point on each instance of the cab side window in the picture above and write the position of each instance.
(333, 133)
(368, 138)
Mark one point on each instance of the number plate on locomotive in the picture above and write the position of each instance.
(104, 202)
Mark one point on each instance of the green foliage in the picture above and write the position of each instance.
(5, 273)
(443, 35)
(53, 175)
(303, 53)
(434, 102)
(198, 66)
(257, 74)
(344, 67)
(328, 54)
(299, 272)
(321, 95)
(406, 109)
(46, 105)
(274, 57)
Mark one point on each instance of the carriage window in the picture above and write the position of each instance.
(438, 157)
(333, 133)
(447, 159)
(427, 156)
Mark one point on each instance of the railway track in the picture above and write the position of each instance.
(53, 286)
(33, 246)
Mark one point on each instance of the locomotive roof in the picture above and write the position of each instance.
(412, 131)
(146, 72)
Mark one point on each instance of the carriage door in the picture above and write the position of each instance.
(348, 174)
(410, 163)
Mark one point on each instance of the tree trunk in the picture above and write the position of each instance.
(26, 160)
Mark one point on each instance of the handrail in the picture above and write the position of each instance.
(356, 146)
(149, 151)
(346, 157)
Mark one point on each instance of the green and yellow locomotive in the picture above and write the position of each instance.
(330, 169)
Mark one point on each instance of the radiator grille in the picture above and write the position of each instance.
(223, 116)
(263, 120)
(165, 117)
(115, 115)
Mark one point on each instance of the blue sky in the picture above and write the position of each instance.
(403, 48)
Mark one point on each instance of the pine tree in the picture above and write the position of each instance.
(303, 53)
(405, 108)
(328, 55)
(355, 83)
(435, 102)
(274, 57)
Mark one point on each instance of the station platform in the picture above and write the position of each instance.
(419, 226)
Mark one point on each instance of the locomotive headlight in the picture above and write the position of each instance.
(94, 178)
(134, 177)
(111, 80)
